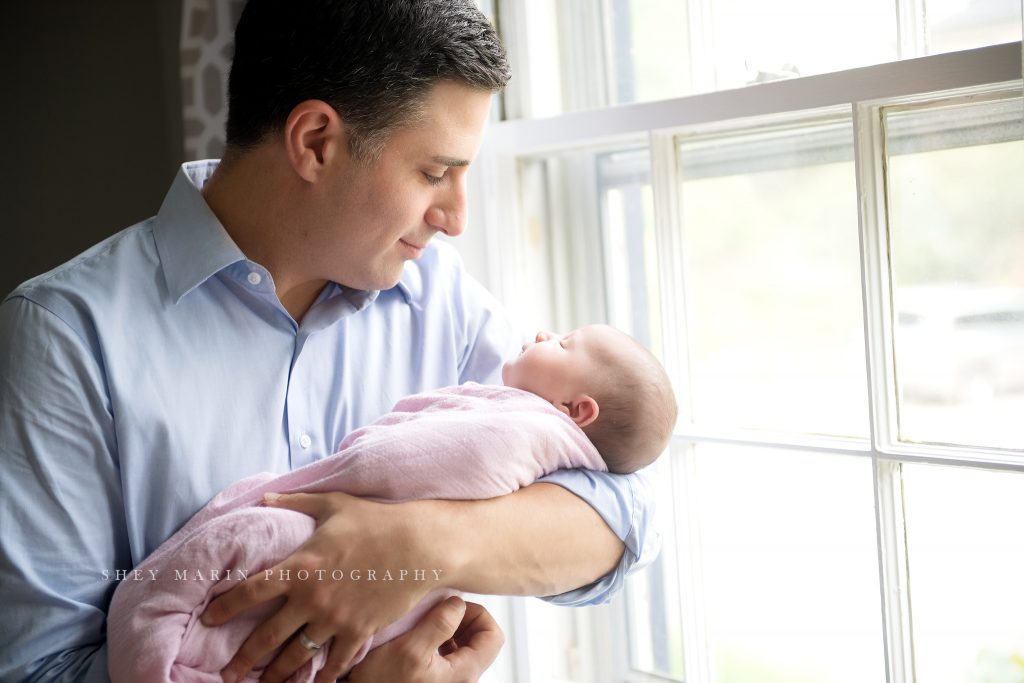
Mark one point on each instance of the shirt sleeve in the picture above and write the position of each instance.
(61, 514)
(626, 502)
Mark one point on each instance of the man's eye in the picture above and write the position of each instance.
(433, 179)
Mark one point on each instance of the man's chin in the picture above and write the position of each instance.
(373, 283)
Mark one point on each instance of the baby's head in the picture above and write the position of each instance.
(609, 384)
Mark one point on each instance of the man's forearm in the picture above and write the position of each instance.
(540, 540)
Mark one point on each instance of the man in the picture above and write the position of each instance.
(277, 301)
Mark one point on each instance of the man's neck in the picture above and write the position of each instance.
(248, 194)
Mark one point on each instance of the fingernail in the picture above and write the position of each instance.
(271, 497)
(228, 676)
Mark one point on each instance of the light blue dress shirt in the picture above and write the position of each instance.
(158, 367)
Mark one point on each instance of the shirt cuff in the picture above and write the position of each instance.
(627, 504)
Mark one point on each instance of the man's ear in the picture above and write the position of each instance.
(583, 410)
(313, 135)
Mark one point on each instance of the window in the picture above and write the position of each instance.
(957, 234)
(580, 54)
(822, 239)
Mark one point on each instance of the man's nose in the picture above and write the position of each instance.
(448, 213)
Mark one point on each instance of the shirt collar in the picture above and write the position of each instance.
(192, 243)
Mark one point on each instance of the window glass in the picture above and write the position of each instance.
(535, 298)
(553, 643)
(649, 54)
(956, 225)
(653, 597)
(581, 54)
(756, 41)
(790, 566)
(772, 274)
(952, 25)
(965, 545)
(629, 245)
(587, 241)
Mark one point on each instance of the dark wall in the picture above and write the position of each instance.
(90, 114)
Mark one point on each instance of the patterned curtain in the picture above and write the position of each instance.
(207, 35)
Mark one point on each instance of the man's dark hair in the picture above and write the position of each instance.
(373, 61)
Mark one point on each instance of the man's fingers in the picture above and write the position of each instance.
(294, 655)
(476, 622)
(436, 627)
(478, 642)
(251, 592)
(316, 505)
(307, 503)
(267, 637)
(333, 668)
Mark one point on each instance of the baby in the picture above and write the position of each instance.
(594, 399)
(611, 387)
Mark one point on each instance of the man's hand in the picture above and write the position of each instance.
(454, 643)
(351, 534)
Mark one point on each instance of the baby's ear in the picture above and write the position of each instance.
(583, 410)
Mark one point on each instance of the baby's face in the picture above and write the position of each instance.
(555, 368)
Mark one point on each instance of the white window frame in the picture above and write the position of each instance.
(862, 93)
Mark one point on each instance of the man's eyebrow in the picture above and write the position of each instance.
(449, 161)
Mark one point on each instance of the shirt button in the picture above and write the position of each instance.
(255, 278)
(305, 441)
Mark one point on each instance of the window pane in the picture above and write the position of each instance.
(587, 241)
(554, 643)
(965, 542)
(963, 24)
(774, 311)
(790, 566)
(648, 46)
(628, 238)
(956, 215)
(653, 600)
(756, 41)
(535, 300)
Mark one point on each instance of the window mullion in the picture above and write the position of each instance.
(671, 275)
(893, 573)
(869, 155)
(910, 29)
(701, 26)
(584, 87)
(513, 20)
(664, 182)
(519, 640)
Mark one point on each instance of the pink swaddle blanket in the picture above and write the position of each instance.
(459, 443)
